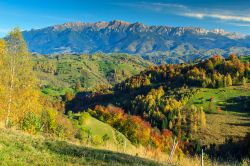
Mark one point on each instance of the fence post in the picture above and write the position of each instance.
(202, 162)
(173, 150)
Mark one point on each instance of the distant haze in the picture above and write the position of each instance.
(133, 38)
(231, 15)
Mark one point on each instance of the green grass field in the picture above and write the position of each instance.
(245, 58)
(99, 129)
(230, 99)
(17, 148)
(91, 70)
(222, 126)
(226, 114)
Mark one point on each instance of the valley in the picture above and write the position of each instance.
(86, 107)
(90, 72)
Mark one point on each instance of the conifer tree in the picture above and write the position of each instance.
(244, 81)
(165, 123)
(202, 119)
(209, 65)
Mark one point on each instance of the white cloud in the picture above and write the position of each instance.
(175, 5)
(195, 15)
(239, 18)
(3, 30)
(158, 7)
(241, 24)
(218, 16)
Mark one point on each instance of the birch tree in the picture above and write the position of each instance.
(2, 78)
(22, 93)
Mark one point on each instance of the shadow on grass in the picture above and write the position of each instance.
(231, 150)
(238, 104)
(240, 124)
(245, 119)
(95, 155)
(85, 100)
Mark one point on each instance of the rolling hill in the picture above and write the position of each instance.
(59, 73)
(17, 148)
(205, 102)
(99, 129)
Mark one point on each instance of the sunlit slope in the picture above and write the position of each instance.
(226, 112)
(21, 149)
(92, 71)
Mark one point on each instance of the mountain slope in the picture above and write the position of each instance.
(92, 71)
(98, 129)
(134, 38)
(21, 149)
(207, 101)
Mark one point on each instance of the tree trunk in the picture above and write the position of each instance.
(12, 66)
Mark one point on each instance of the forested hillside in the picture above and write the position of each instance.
(182, 101)
(167, 113)
(25, 108)
(61, 73)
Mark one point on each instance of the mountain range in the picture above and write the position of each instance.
(158, 44)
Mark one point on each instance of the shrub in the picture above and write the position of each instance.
(120, 141)
(55, 123)
(81, 134)
(83, 118)
(96, 140)
(48, 121)
(64, 128)
(105, 138)
(31, 122)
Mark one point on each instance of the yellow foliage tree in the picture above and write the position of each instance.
(202, 119)
(228, 80)
(21, 93)
(2, 78)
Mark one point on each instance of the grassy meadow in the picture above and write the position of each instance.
(56, 74)
(226, 113)
(17, 148)
(99, 129)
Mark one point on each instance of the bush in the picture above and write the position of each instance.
(64, 128)
(60, 131)
(31, 123)
(48, 121)
(105, 138)
(96, 140)
(55, 123)
(83, 118)
(81, 135)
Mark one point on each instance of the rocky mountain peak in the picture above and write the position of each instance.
(135, 38)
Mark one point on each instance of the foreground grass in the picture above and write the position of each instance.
(21, 149)
(17, 148)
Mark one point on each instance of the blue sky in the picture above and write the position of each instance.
(231, 15)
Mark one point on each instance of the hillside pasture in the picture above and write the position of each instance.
(226, 112)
